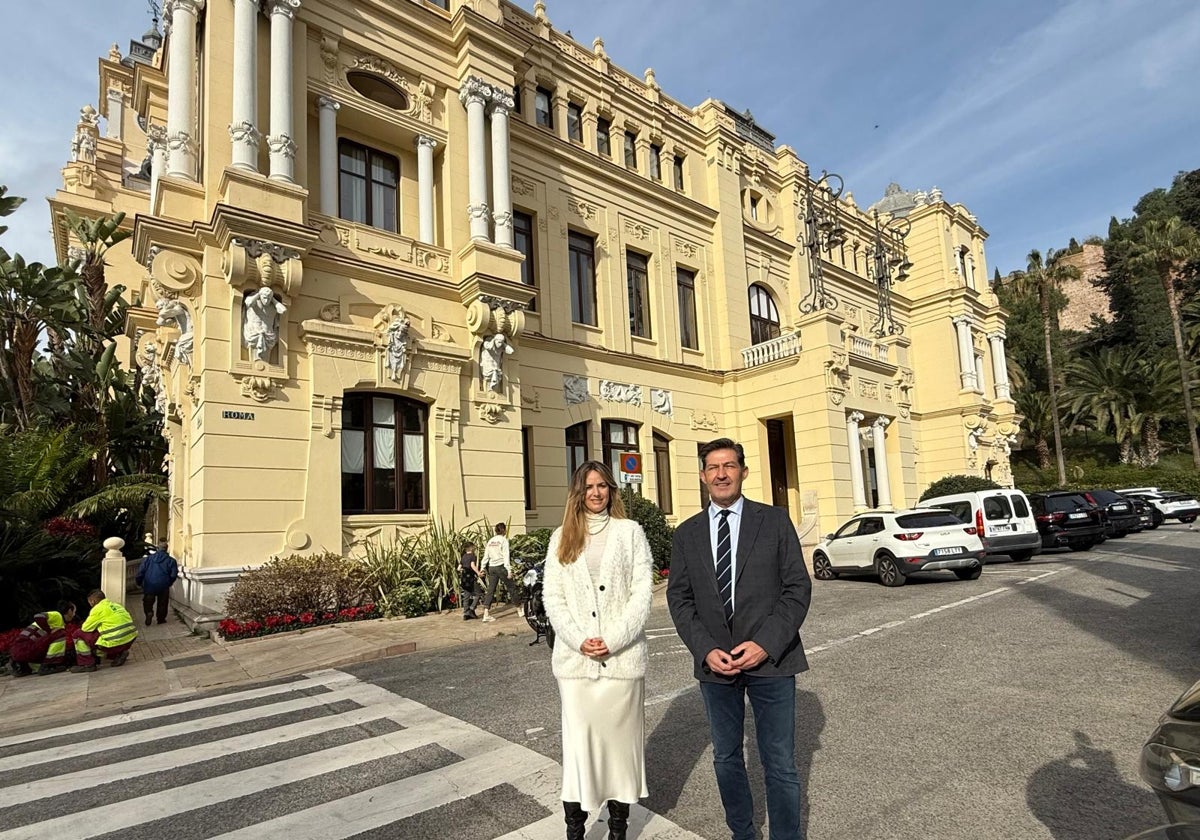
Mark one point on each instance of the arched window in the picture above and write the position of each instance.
(378, 89)
(764, 317)
(619, 436)
(384, 450)
(577, 447)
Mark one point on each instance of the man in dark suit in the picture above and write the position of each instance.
(738, 592)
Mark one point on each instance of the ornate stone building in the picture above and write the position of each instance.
(394, 260)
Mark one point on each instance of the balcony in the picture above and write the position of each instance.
(771, 351)
(867, 349)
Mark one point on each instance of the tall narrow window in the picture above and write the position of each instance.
(688, 334)
(677, 167)
(636, 271)
(577, 447)
(630, 150)
(655, 164)
(542, 111)
(517, 109)
(574, 122)
(662, 472)
(603, 137)
(582, 254)
(383, 455)
(619, 437)
(523, 242)
(367, 185)
(754, 207)
(764, 317)
(527, 456)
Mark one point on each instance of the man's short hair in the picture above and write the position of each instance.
(163, 544)
(722, 443)
(98, 594)
(65, 607)
(501, 528)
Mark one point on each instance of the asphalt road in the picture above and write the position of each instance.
(1013, 706)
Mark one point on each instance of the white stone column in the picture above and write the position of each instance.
(475, 94)
(502, 103)
(181, 88)
(999, 366)
(281, 142)
(243, 129)
(882, 478)
(328, 153)
(116, 113)
(156, 146)
(858, 489)
(425, 147)
(966, 354)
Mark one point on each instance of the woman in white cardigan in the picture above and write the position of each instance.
(597, 588)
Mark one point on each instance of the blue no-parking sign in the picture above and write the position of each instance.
(631, 468)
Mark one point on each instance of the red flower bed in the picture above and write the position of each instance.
(231, 628)
(62, 527)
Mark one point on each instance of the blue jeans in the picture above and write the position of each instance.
(773, 700)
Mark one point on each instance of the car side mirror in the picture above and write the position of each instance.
(829, 536)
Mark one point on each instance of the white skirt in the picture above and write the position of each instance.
(603, 741)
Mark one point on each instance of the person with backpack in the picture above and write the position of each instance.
(468, 578)
(156, 576)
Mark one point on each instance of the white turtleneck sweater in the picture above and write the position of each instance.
(593, 550)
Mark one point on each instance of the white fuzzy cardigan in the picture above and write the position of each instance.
(614, 607)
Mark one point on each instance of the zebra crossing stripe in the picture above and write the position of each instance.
(327, 679)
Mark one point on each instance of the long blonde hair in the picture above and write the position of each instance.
(574, 526)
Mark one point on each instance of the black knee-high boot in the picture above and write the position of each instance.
(576, 820)
(618, 819)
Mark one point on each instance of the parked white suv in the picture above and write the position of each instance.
(1165, 504)
(895, 544)
(1004, 519)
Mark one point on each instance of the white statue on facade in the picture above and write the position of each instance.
(152, 378)
(171, 310)
(260, 323)
(491, 361)
(397, 346)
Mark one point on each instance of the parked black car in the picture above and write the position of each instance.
(1066, 518)
(1144, 514)
(1171, 759)
(1116, 512)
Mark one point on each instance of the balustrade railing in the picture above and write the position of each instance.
(770, 351)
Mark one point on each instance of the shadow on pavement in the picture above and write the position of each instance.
(685, 726)
(1082, 796)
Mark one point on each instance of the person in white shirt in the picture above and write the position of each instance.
(496, 566)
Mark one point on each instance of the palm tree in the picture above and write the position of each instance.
(1162, 246)
(1037, 425)
(1042, 279)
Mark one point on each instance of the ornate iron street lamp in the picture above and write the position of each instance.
(822, 232)
(888, 255)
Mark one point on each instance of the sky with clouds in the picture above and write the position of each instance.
(1044, 117)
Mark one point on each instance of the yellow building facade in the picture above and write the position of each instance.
(392, 260)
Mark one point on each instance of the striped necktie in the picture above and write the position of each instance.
(725, 563)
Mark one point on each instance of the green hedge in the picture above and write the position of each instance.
(1112, 476)
(951, 484)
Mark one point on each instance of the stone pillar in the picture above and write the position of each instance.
(882, 478)
(328, 152)
(425, 147)
(502, 103)
(856, 469)
(966, 354)
(181, 88)
(156, 147)
(281, 142)
(474, 94)
(999, 366)
(243, 129)
(116, 113)
(112, 571)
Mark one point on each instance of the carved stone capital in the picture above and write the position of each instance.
(881, 422)
(474, 90)
(283, 7)
(282, 144)
(855, 417)
(181, 140)
(327, 103)
(426, 142)
(502, 100)
(244, 132)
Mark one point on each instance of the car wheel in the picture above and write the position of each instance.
(822, 570)
(969, 573)
(889, 572)
(1156, 518)
(1021, 556)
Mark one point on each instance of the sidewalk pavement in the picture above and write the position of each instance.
(167, 661)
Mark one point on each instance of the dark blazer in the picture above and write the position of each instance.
(772, 592)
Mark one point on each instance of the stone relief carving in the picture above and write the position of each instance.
(152, 378)
(490, 412)
(531, 401)
(704, 420)
(661, 401)
(620, 392)
(260, 323)
(637, 230)
(397, 346)
(419, 93)
(868, 388)
(330, 312)
(575, 389)
(447, 426)
(491, 361)
(582, 209)
(170, 310)
(440, 333)
(520, 186)
(258, 388)
(688, 249)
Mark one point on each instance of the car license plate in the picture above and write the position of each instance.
(1076, 516)
(1120, 507)
(941, 552)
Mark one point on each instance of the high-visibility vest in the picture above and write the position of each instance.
(114, 623)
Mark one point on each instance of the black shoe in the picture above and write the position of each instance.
(618, 819)
(46, 670)
(80, 669)
(162, 621)
(576, 819)
(149, 619)
(120, 658)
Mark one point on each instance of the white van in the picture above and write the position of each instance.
(1003, 519)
